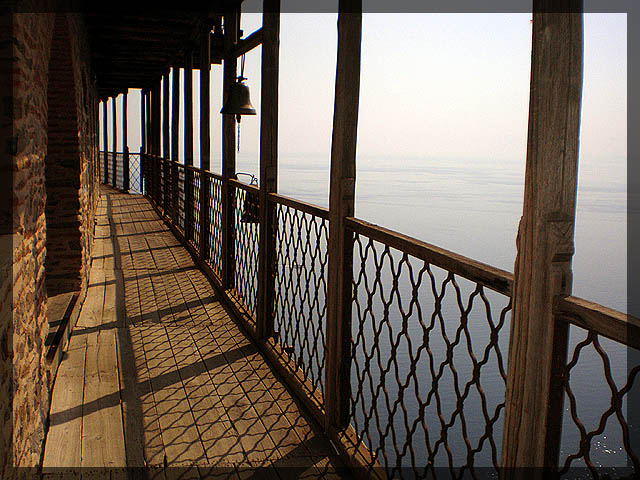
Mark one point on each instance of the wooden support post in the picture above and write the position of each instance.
(125, 160)
(538, 343)
(105, 143)
(166, 144)
(231, 26)
(188, 145)
(175, 140)
(341, 205)
(155, 122)
(114, 164)
(143, 121)
(205, 140)
(268, 165)
(143, 136)
(149, 149)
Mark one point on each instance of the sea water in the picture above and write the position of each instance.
(472, 207)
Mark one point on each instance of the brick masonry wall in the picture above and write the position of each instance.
(22, 337)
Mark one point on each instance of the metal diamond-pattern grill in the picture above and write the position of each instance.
(104, 175)
(119, 183)
(246, 258)
(590, 439)
(135, 179)
(300, 289)
(160, 186)
(109, 178)
(428, 375)
(215, 207)
(181, 197)
(196, 209)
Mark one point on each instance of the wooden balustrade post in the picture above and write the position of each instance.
(125, 160)
(538, 343)
(175, 140)
(166, 145)
(268, 165)
(143, 137)
(231, 27)
(149, 149)
(188, 145)
(205, 140)
(105, 143)
(114, 160)
(341, 205)
(155, 126)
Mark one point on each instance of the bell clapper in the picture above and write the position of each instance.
(238, 117)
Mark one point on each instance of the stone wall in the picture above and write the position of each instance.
(23, 337)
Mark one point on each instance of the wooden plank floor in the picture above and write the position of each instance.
(158, 375)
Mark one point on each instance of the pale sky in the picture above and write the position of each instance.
(436, 85)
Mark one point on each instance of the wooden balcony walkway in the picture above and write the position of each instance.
(157, 373)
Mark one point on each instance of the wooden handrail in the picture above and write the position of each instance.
(244, 186)
(605, 321)
(299, 205)
(494, 278)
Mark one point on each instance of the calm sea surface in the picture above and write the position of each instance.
(472, 207)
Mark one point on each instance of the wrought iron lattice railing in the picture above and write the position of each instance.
(594, 442)
(246, 243)
(181, 196)
(197, 176)
(599, 381)
(428, 368)
(135, 173)
(301, 285)
(119, 180)
(429, 338)
(215, 208)
(135, 170)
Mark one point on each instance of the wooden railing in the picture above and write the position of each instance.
(428, 336)
(121, 170)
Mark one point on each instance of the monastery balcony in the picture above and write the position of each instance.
(215, 371)
(230, 331)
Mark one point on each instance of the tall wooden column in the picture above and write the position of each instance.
(175, 140)
(268, 165)
(105, 143)
(538, 343)
(341, 205)
(205, 141)
(125, 160)
(114, 164)
(155, 135)
(143, 137)
(143, 121)
(231, 26)
(166, 143)
(188, 145)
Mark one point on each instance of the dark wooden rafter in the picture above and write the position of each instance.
(131, 49)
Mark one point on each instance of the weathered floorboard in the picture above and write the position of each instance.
(159, 376)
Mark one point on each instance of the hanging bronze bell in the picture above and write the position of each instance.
(238, 102)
